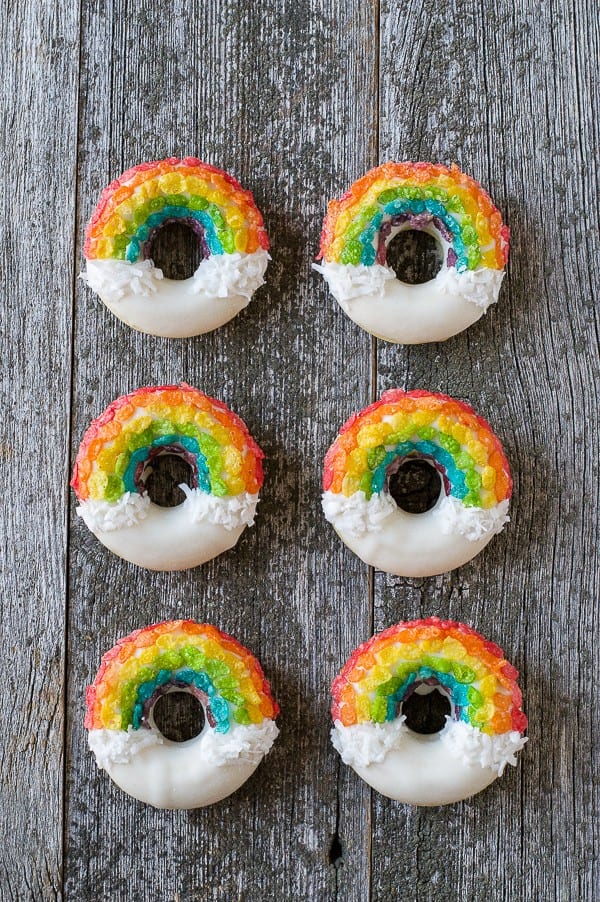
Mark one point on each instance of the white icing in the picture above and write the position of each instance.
(114, 280)
(119, 746)
(415, 545)
(129, 510)
(356, 515)
(471, 522)
(412, 314)
(477, 286)
(190, 774)
(367, 743)
(139, 295)
(229, 511)
(231, 275)
(248, 744)
(347, 281)
(471, 746)
(174, 538)
(427, 770)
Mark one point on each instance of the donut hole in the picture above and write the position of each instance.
(164, 475)
(175, 248)
(179, 716)
(415, 486)
(426, 710)
(415, 256)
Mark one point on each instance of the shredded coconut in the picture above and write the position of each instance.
(114, 280)
(356, 515)
(471, 522)
(120, 746)
(348, 281)
(477, 286)
(368, 743)
(471, 746)
(230, 511)
(246, 743)
(107, 516)
(231, 275)
(219, 276)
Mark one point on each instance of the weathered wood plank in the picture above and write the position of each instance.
(286, 99)
(277, 96)
(506, 90)
(37, 203)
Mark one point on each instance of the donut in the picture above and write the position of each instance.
(229, 228)
(454, 446)
(396, 197)
(428, 712)
(180, 656)
(116, 458)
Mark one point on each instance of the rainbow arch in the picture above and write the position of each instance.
(448, 433)
(420, 195)
(178, 654)
(134, 206)
(385, 670)
(224, 458)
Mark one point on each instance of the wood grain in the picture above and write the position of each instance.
(38, 147)
(297, 100)
(503, 89)
(260, 93)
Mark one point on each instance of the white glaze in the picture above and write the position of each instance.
(471, 522)
(367, 743)
(348, 282)
(229, 511)
(470, 745)
(378, 302)
(414, 545)
(447, 767)
(355, 515)
(190, 774)
(129, 510)
(139, 295)
(175, 538)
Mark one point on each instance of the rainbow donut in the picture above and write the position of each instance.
(115, 459)
(180, 656)
(396, 197)
(230, 230)
(428, 712)
(364, 464)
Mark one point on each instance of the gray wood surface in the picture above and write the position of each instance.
(297, 100)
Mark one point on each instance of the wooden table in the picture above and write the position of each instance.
(297, 99)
